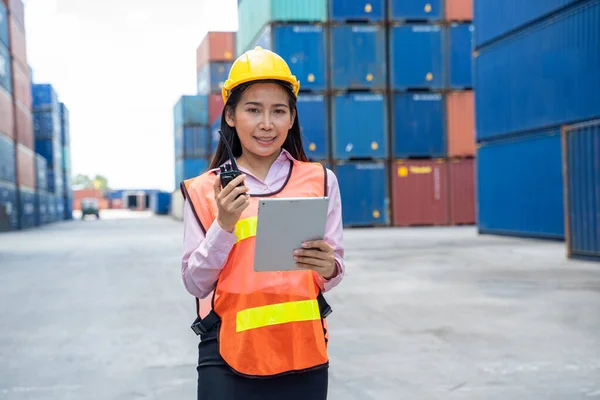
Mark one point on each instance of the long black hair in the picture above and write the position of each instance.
(293, 142)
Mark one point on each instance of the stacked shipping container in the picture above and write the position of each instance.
(368, 112)
(66, 199)
(537, 68)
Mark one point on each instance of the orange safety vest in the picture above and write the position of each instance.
(270, 322)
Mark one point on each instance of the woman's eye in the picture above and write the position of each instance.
(253, 110)
(281, 111)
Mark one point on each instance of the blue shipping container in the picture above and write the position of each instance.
(358, 58)
(68, 207)
(191, 141)
(50, 149)
(27, 209)
(418, 10)
(357, 10)
(303, 48)
(460, 63)
(214, 135)
(42, 208)
(160, 203)
(519, 187)
(359, 126)
(188, 168)
(60, 207)
(212, 77)
(5, 68)
(495, 18)
(416, 57)
(3, 24)
(364, 192)
(65, 131)
(9, 210)
(191, 110)
(46, 125)
(419, 128)
(544, 77)
(7, 159)
(51, 208)
(41, 167)
(312, 114)
(55, 181)
(582, 187)
(44, 98)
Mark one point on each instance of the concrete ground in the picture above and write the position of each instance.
(96, 310)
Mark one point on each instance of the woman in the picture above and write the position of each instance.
(263, 335)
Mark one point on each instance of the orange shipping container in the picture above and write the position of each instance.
(24, 126)
(215, 106)
(6, 114)
(462, 191)
(26, 167)
(216, 46)
(22, 89)
(17, 9)
(458, 10)
(18, 47)
(461, 124)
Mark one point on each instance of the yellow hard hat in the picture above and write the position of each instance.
(258, 64)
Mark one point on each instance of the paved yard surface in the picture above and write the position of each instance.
(96, 310)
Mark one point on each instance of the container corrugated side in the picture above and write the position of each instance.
(44, 97)
(314, 124)
(18, 46)
(214, 135)
(460, 117)
(402, 10)
(21, 84)
(41, 168)
(357, 10)
(581, 158)
(359, 126)
(160, 203)
(42, 207)
(519, 186)
(212, 77)
(364, 193)
(215, 106)
(418, 125)
(546, 76)
(68, 207)
(459, 39)
(458, 10)
(191, 110)
(303, 47)
(494, 18)
(26, 172)
(27, 208)
(420, 192)
(3, 24)
(65, 127)
(216, 46)
(9, 208)
(416, 57)
(7, 159)
(358, 59)
(6, 70)
(254, 15)
(46, 125)
(461, 182)
(17, 9)
(24, 126)
(7, 124)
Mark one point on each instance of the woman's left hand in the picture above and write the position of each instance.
(317, 255)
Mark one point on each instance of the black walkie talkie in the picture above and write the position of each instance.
(228, 171)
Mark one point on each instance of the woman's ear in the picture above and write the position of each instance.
(229, 117)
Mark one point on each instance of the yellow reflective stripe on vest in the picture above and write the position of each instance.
(245, 228)
(274, 314)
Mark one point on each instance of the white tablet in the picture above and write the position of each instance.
(283, 224)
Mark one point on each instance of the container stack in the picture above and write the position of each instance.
(192, 140)
(17, 164)
(66, 200)
(48, 143)
(214, 57)
(537, 69)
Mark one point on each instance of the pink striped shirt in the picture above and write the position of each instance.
(204, 255)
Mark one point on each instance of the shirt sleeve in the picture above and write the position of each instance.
(203, 255)
(334, 231)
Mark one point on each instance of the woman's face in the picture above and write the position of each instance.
(262, 119)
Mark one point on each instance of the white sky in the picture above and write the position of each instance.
(120, 66)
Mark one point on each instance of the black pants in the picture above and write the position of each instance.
(216, 381)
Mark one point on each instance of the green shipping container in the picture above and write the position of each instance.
(255, 14)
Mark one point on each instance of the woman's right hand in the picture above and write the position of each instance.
(230, 205)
